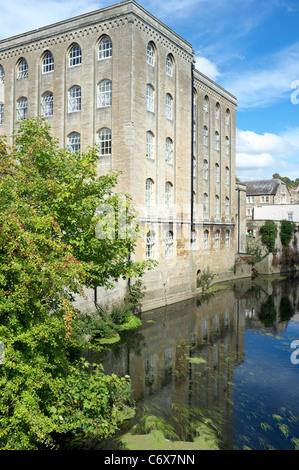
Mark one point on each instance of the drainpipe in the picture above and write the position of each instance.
(192, 145)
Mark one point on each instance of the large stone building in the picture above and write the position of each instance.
(120, 78)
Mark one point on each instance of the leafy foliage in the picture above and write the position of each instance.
(48, 253)
(287, 229)
(269, 232)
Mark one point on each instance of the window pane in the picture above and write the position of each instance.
(47, 104)
(105, 93)
(22, 70)
(48, 63)
(168, 150)
(169, 66)
(150, 55)
(104, 141)
(75, 56)
(22, 108)
(105, 48)
(1, 113)
(74, 99)
(1, 74)
(149, 98)
(74, 142)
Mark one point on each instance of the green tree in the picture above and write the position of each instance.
(269, 232)
(48, 253)
(287, 228)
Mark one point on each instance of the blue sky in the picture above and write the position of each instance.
(250, 47)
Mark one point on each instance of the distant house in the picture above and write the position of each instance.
(294, 193)
(260, 192)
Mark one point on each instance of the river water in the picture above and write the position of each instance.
(221, 365)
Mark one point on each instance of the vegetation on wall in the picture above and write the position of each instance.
(268, 235)
(287, 229)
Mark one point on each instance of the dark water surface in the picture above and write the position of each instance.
(221, 363)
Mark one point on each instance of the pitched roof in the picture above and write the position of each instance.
(262, 187)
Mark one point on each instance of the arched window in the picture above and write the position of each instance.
(169, 244)
(150, 54)
(1, 74)
(169, 101)
(105, 48)
(168, 193)
(74, 103)
(74, 142)
(205, 169)
(206, 104)
(104, 141)
(227, 117)
(75, 56)
(205, 136)
(217, 141)
(149, 144)
(227, 145)
(47, 104)
(1, 113)
(169, 65)
(168, 150)
(150, 244)
(22, 69)
(217, 239)
(216, 173)
(22, 108)
(149, 192)
(227, 207)
(227, 239)
(226, 175)
(217, 111)
(206, 240)
(150, 98)
(104, 93)
(48, 62)
(205, 203)
(216, 205)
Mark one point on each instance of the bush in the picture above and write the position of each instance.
(287, 228)
(268, 233)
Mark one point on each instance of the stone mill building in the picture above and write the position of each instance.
(120, 78)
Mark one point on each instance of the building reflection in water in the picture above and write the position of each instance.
(183, 358)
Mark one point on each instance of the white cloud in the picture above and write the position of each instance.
(207, 67)
(252, 143)
(259, 156)
(263, 85)
(21, 16)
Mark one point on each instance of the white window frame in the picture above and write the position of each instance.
(149, 192)
(74, 142)
(150, 244)
(75, 56)
(217, 141)
(206, 104)
(2, 74)
(105, 48)
(150, 54)
(217, 204)
(217, 240)
(150, 145)
(1, 114)
(22, 69)
(169, 66)
(105, 93)
(48, 62)
(169, 244)
(227, 145)
(227, 239)
(205, 136)
(205, 203)
(150, 98)
(168, 193)
(206, 240)
(227, 207)
(105, 141)
(22, 108)
(217, 111)
(74, 99)
(168, 150)
(169, 106)
(205, 169)
(47, 104)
